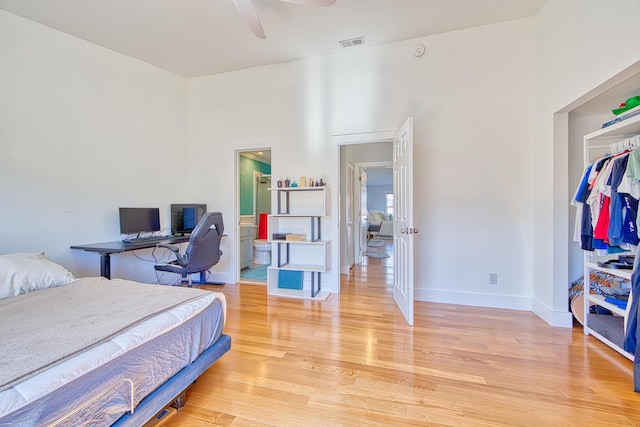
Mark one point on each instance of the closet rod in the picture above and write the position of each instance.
(625, 145)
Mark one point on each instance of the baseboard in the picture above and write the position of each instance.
(562, 319)
(509, 302)
(474, 299)
(345, 269)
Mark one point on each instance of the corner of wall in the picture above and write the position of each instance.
(562, 319)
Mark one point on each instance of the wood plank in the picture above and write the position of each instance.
(352, 360)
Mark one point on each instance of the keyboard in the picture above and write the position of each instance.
(145, 239)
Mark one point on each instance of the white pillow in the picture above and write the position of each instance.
(25, 272)
(374, 216)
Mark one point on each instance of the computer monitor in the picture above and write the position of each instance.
(185, 217)
(139, 220)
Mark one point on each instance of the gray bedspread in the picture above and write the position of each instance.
(43, 328)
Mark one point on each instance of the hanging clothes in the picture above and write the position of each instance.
(607, 204)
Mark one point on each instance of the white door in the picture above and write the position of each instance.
(403, 229)
(349, 193)
(363, 215)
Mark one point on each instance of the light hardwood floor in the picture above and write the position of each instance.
(352, 361)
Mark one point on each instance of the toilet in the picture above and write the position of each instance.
(261, 252)
(261, 247)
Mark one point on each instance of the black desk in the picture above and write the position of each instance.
(105, 250)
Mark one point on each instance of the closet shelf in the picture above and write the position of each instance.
(625, 274)
(624, 129)
(599, 299)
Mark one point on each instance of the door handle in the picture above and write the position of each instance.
(409, 231)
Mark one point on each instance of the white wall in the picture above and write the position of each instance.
(470, 96)
(579, 45)
(491, 192)
(83, 130)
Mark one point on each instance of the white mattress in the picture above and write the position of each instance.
(146, 355)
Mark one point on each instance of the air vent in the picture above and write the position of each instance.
(358, 41)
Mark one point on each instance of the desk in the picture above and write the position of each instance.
(105, 250)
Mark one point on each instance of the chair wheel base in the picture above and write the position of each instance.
(200, 282)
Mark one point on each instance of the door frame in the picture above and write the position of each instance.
(243, 147)
(349, 194)
(339, 141)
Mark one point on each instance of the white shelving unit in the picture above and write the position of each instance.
(300, 211)
(602, 141)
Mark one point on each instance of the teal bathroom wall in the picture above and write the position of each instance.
(247, 167)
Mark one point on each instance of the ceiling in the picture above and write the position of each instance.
(202, 37)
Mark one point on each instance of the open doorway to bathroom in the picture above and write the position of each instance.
(255, 205)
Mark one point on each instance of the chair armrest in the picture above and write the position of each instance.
(167, 246)
(180, 259)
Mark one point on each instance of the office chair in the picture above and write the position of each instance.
(202, 252)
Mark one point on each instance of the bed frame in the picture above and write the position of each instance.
(172, 389)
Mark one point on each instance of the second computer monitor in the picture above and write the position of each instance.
(185, 217)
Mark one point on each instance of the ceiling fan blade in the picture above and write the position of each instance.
(312, 2)
(248, 13)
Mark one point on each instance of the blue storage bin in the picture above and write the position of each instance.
(290, 279)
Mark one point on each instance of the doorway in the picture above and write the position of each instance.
(254, 170)
(400, 142)
(377, 209)
(368, 177)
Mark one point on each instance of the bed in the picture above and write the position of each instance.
(386, 223)
(94, 351)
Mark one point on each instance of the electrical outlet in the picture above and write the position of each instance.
(493, 278)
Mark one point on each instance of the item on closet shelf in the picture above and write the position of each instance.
(279, 236)
(279, 183)
(620, 293)
(629, 259)
(630, 103)
(287, 182)
(617, 302)
(616, 263)
(303, 181)
(623, 116)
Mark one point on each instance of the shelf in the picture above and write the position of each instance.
(294, 216)
(620, 272)
(599, 299)
(307, 201)
(304, 267)
(299, 210)
(298, 188)
(311, 280)
(304, 294)
(609, 343)
(620, 130)
(301, 242)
